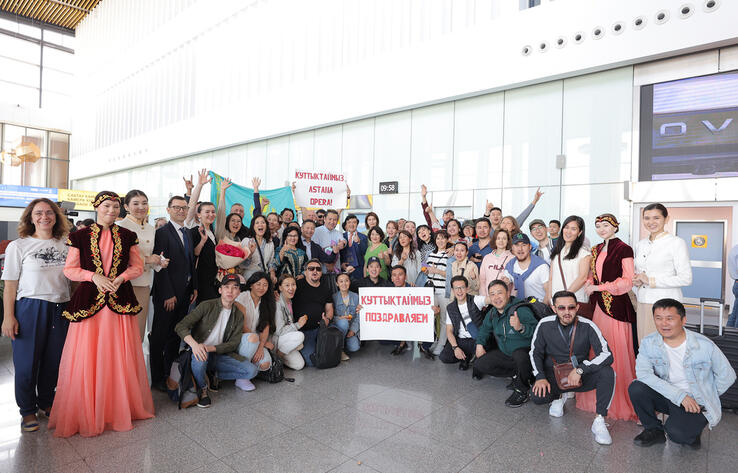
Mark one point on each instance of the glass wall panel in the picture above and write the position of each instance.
(598, 111)
(390, 207)
(516, 200)
(12, 137)
(59, 146)
(482, 196)
(20, 49)
(237, 170)
(302, 152)
(220, 163)
(392, 150)
(15, 94)
(19, 72)
(589, 201)
(256, 154)
(357, 156)
(277, 172)
(58, 174)
(532, 135)
(432, 147)
(478, 137)
(328, 148)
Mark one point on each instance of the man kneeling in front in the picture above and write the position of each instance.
(213, 330)
(680, 373)
(563, 338)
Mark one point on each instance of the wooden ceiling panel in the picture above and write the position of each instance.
(63, 13)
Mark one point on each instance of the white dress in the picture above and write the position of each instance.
(571, 272)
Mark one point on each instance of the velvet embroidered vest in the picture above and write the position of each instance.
(87, 300)
(617, 307)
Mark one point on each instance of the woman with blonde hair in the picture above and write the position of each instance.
(35, 295)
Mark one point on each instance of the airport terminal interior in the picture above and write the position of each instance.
(436, 126)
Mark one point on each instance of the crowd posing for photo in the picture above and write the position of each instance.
(238, 297)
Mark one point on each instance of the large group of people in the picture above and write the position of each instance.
(561, 317)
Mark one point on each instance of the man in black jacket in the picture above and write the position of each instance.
(464, 316)
(312, 249)
(373, 279)
(174, 289)
(566, 337)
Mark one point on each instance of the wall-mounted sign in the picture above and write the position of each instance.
(82, 199)
(389, 187)
(699, 241)
(21, 196)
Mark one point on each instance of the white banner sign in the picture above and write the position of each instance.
(315, 190)
(396, 313)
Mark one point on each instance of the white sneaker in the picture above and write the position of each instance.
(557, 407)
(344, 356)
(245, 385)
(599, 429)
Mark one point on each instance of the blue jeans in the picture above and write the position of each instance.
(308, 346)
(226, 366)
(733, 319)
(248, 349)
(37, 351)
(351, 344)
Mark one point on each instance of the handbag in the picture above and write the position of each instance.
(275, 373)
(586, 309)
(562, 370)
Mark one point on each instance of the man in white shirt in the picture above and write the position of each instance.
(464, 316)
(527, 272)
(680, 373)
(330, 239)
(545, 245)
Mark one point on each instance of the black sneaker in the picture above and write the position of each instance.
(517, 398)
(399, 349)
(204, 401)
(476, 375)
(511, 385)
(464, 365)
(649, 437)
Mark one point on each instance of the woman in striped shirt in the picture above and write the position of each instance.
(436, 270)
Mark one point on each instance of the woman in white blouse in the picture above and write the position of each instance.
(570, 261)
(137, 206)
(662, 267)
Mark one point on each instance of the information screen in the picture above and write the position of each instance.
(689, 128)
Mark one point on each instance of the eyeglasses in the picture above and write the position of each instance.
(178, 208)
(459, 288)
(313, 268)
(566, 307)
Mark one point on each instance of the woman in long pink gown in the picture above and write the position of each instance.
(610, 279)
(102, 376)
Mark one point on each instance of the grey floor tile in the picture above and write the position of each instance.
(349, 431)
(722, 439)
(217, 467)
(174, 453)
(353, 466)
(33, 451)
(149, 429)
(297, 407)
(408, 451)
(225, 432)
(398, 407)
(290, 452)
(468, 433)
(663, 457)
(573, 428)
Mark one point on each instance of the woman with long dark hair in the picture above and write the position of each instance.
(392, 231)
(102, 376)
(258, 305)
(407, 255)
(570, 262)
(287, 337)
(291, 259)
(136, 204)
(35, 295)
(610, 279)
(203, 242)
(261, 247)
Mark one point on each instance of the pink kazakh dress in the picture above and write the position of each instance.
(102, 376)
(618, 334)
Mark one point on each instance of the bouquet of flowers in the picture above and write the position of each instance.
(229, 254)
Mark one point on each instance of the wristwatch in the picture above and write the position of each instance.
(580, 371)
(455, 347)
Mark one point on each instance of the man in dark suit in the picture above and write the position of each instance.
(174, 289)
(312, 249)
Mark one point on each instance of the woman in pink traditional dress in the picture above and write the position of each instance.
(102, 376)
(610, 279)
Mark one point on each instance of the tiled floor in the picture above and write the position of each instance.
(375, 413)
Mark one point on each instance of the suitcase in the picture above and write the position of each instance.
(726, 338)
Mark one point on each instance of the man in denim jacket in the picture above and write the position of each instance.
(680, 373)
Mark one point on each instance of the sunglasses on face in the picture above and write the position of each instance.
(566, 307)
(313, 268)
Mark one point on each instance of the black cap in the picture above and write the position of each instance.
(520, 238)
(230, 278)
(373, 259)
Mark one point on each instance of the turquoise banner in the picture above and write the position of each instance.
(279, 198)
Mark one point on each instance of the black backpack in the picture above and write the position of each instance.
(275, 373)
(188, 393)
(539, 309)
(328, 348)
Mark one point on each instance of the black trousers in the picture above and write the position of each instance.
(467, 345)
(602, 380)
(681, 426)
(498, 364)
(163, 340)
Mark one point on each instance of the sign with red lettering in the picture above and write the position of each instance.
(320, 190)
(396, 313)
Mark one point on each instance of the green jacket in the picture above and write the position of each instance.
(508, 339)
(200, 322)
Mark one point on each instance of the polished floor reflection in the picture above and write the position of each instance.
(374, 413)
